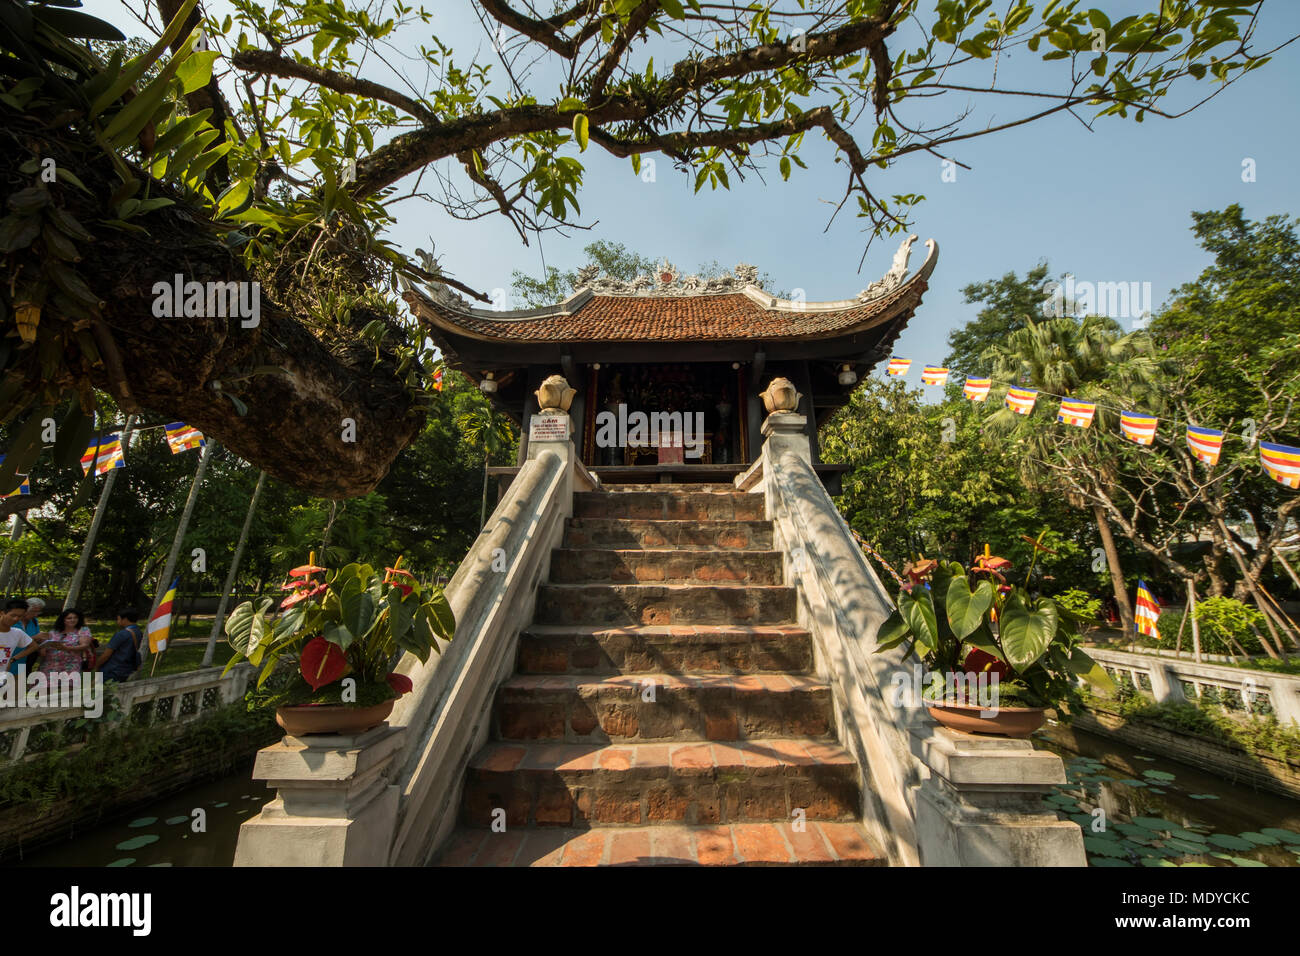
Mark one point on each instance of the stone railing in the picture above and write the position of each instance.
(1173, 679)
(391, 796)
(930, 796)
(174, 698)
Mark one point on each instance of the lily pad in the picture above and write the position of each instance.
(1104, 847)
(1155, 861)
(1244, 861)
(1133, 783)
(159, 864)
(1260, 839)
(175, 820)
(1157, 775)
(143, 822)
(1141, 757)
(1059, 801)
(1185, 846)
(1194, 864)
(1157, 823)
(1189, 835)
(222, 804)
(1286, 836)
(1204, 796)
(1156, 790)
(125, 861)
(1108, 861)
(145, 839)
(1134, 829)
(1230, 842)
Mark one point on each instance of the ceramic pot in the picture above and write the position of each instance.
(302, 719)
(1007, 722)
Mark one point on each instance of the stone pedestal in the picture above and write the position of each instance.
(982, 804)
(334, 806)
(786, 433)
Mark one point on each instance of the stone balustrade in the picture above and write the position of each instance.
(172, 698)
(1170, 679)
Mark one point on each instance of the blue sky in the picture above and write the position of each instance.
(1108, 205)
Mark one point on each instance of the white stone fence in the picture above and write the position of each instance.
(1237, 688)
(174, 698)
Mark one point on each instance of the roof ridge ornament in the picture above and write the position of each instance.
(667, 281)
(892, 279)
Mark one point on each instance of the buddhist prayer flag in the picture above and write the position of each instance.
(934, 375)
(22, 489)
(437, 381)
(977, 389)
(1138, 428)
(899, 366)
(1282, 462)
(160, 624)
(1205, 443)
(104, 453)
(1147, 612)
(1021, 400)
(181, 437)
(1074, 412)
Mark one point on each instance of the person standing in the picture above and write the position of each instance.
(15, 643)
(30, 626)
(62, 651)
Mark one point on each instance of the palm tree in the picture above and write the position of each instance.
(1087, 358)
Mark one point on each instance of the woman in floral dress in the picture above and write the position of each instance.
(62, 651)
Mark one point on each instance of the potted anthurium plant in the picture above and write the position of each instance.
(997, 656)
(348, 628)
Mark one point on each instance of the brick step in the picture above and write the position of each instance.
(678, 535)
(661, 707)
(670, 488)
(751, 781)
(738, 844)
(707, 649)
(670, 505)
(572, 566)
(633, 604)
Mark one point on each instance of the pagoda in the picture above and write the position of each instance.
(689, 354)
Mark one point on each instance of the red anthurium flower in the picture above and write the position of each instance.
(406, 589)
(917, 571)
(293, 599)
(400, 683)
(322, 662)
(980, 661)
(305, 571)
(400, 571)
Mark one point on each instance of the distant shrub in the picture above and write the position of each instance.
(1218, 618)
(1081, 603)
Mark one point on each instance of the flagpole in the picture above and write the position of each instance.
(165, 582)
(210, 651)
(79, 575)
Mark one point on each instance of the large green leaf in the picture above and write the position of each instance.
(892, 633)
(966, 608)
(919, 614)
(1025, 635)
(1092, 672)
(138, 65)
(246, 626)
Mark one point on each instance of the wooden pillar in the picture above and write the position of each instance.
(803, 382)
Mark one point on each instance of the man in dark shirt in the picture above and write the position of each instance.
(119, 660)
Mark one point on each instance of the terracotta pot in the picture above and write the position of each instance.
(302, 719)
(1008, 722)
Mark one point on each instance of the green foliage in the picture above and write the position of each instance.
(1263, 734)
(115, 758)
(372, 617)
(1038, 646)
(1225, 623)
(1080, 603)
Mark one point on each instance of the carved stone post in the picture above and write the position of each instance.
(784, 429)
(551, 429)
(334, 804)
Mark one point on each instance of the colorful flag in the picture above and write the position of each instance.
(1021, 400)
(22, 489)
(934, 375)
(977, 389)
(1074, 412)
(1205, 443)
(437, 380)
(1137, 427)
(105, 453)
(1147, 612)
(181, 437)
(1282, 462)
(160, 624)
(899, 366)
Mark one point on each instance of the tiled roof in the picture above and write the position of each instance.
(660, 317)
(729, 316)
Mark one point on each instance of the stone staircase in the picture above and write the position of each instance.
(664, 708)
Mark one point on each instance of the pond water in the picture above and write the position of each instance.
(1158, 812)
(164, 834)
